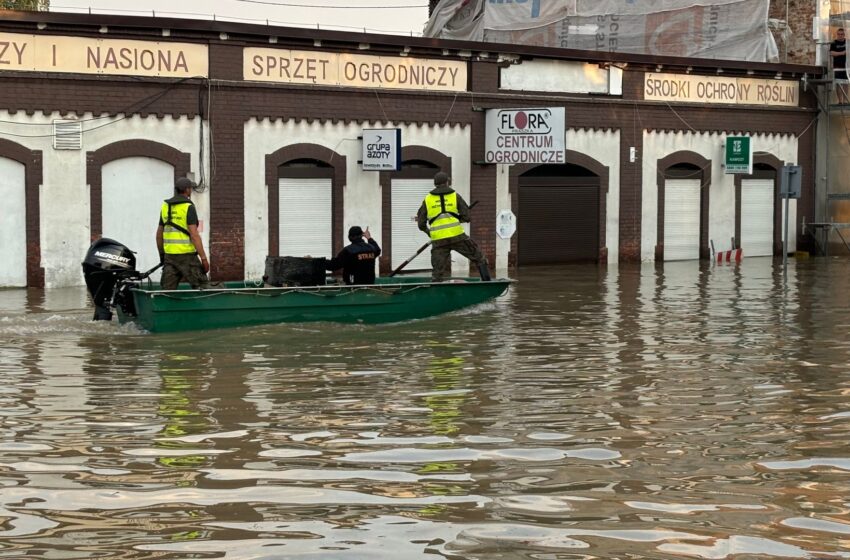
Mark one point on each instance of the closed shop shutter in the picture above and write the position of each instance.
(132, 193)
(407, 197)
(306, 217)
(558, 223)
(757, 207)
(13, 232)
(681, 219)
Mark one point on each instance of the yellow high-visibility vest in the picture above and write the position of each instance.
(175, 232)
(443, 218)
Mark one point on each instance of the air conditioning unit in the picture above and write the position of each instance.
(67, 135)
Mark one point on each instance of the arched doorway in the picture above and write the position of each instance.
(682, 212)
(758, 208)
(684, 180)
(559, 215)
(305, 185)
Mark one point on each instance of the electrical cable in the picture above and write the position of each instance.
(127, 112)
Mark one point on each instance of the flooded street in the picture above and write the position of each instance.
(689, 411)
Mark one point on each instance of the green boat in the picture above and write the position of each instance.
(234, 304)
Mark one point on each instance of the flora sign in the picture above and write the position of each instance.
(525, 135)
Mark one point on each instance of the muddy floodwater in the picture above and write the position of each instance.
(684, 411)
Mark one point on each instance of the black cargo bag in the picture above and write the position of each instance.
(295, 271)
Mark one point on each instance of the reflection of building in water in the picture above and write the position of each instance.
(182, 417)
(444, 404)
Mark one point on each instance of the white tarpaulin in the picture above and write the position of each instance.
(729, 30)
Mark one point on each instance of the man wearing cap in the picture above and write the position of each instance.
(441, 216)
(357, 260)
(180, 248)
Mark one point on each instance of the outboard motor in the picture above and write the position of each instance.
(107, 268)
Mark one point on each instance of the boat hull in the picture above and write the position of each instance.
(237, 304)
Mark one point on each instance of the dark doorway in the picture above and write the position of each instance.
(558, 218)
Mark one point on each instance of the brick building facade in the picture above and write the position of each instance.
(270, 151)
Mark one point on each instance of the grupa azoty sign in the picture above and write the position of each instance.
(525, 135)
(381, 149)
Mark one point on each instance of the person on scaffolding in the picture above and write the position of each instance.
(838, 52)
(357, 260)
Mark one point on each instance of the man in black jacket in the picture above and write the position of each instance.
(357, 260)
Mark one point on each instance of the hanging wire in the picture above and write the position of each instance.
(125, 113)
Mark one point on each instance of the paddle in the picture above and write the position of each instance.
(419, 251)
(407, 262)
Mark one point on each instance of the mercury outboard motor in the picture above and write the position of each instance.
(108, 268)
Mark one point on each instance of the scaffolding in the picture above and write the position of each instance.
(832, 209)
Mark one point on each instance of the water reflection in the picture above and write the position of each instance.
(684, 411)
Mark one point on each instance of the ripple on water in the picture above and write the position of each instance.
(412, 455)
(645, 412)
(806, 464)
(22, 327)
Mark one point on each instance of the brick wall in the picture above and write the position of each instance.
(800, 47)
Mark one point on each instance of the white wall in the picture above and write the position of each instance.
(721, 224)
(363, 201)
(604, 147)
(13, 221)
(64, 196)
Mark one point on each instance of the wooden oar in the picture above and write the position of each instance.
(419, 251)
(407, 262)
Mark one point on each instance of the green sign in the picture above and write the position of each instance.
(739, 154)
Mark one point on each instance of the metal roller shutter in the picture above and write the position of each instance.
(306, 217)
(13, 231)
(407, 196)
(757, 208)
(558, 223)
(681, 219)
(140, 183)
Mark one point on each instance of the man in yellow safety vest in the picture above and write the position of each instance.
(180, 248)
(441, 216)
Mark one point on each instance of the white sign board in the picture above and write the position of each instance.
(505, 224)
(525, 135)
(113, 57)
(381, 149)
(286, 66)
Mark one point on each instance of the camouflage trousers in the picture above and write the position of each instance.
(185, 268)
(441, 258)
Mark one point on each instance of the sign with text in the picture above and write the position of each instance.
(85, 55)
(352, 70)
(525, 135)
(739, 155)
(720, 89)
(381, 149)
